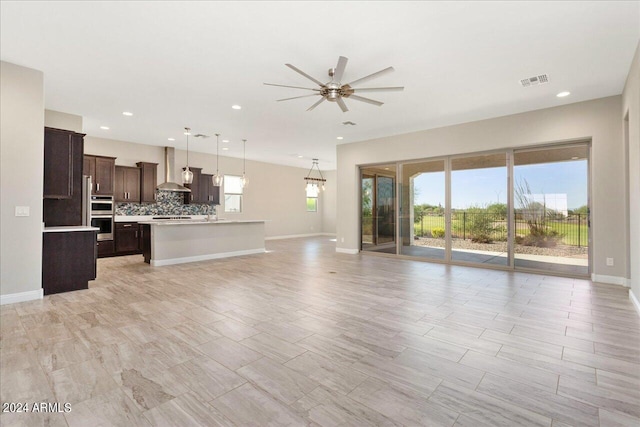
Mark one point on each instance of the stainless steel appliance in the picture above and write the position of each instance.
(105, 225)
(97, 211)
(101, 205)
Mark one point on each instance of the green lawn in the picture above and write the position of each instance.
(569, 230)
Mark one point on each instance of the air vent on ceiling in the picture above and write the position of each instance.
(535, 80)
(349, 123)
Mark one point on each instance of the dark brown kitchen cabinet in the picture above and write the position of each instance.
(127, 237)
(61, 149)
(194, 196)
(68, 260)
(105, 248)
(63, 154)
(148, 181)
(209, 193)
(102, 171)
(127, 184)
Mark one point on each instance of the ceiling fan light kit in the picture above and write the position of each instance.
(335, 91)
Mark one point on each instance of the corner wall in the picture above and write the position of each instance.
(598, 120)
(631, 106)
(21, 181)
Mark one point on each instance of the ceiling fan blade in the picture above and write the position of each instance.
(296, 97)
(316, 104)
(371, 76)
(299, 71)
(294, 87)
(342, 105)
(339, 71)
(367, 100)
(378, 89)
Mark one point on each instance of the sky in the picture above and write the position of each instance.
(481, 187)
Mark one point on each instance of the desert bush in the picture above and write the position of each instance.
(437, 232)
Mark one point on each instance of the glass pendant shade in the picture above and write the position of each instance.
(187, 176)
(244, 181)
(217, 179)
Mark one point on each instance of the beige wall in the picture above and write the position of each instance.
(631, 108)
(275, 193)
(59, 120)
(598, 120)
(21, 178)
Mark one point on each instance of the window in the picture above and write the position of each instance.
(312, 198)
(312, 204)
(232, 193)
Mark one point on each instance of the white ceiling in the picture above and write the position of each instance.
(177, 64)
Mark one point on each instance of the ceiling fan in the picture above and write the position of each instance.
(335, 91)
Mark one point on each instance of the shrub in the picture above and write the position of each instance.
(437, 232)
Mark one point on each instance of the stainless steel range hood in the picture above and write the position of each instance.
(169, 168)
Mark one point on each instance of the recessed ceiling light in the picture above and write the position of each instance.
(339, 137)
(563, 94)
(126, 113)
(225, 140)
(225, 148)
(187, 133)
(104, 127)
(236, 107)
(300, 156)
(171, 139)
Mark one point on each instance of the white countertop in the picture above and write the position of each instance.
(140, 218)
(67, 228)
(199, 222)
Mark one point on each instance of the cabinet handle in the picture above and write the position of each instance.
(127, 225)
(154, 196)
(192, 197)
(97, 187)
(136, 234)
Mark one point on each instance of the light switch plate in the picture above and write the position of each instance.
(22, 210)
(609, 262)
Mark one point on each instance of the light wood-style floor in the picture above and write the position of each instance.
(304, 336)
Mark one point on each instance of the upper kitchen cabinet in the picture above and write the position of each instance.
(127, 184)
(148, 181)
(209, 193)
(62, 195)
(62, 149)
(102, 171)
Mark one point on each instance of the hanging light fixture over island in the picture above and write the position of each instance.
(314, 185)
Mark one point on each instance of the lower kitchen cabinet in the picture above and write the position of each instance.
(105, 248)
(127, 238)
(68, 260)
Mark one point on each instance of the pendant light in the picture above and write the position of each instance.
(187, 175)
(244, 181)
(217, 178)
(312, 183)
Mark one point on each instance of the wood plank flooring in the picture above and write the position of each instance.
(302, 335)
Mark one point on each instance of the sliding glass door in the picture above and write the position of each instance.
(423, 201)
(524, 209)
(552, 209)
(378, 209)
(478, 216)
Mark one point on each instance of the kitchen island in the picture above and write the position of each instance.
(167, 242)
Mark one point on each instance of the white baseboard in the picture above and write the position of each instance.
(612, 280)
(296, 236)
(172, 261)
(347, 251)
(21, 297)
(634, 301)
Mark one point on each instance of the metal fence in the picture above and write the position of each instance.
(571, 230)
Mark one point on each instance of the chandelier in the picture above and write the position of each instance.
(314, 185)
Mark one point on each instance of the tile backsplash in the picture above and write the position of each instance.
(167, 203)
